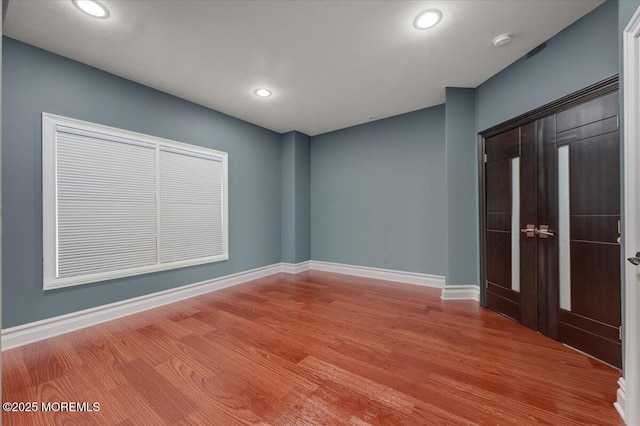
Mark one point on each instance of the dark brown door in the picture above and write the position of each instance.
(510, 175)
(559, 177)
(586, 215)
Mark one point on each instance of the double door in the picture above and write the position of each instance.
(552, 225)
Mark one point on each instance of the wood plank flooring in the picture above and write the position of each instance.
(310, 349)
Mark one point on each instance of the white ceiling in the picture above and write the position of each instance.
(330, 64)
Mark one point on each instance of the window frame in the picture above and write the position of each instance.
(50, 208)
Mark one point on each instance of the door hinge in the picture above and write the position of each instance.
(617, 120)
(620, 333)
(485, 158)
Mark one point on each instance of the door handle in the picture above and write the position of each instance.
(530, 230)
(635, 259)
(544, 232)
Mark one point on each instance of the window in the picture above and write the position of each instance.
(119, 203)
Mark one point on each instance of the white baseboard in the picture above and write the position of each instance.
(295, 268)
(620, 403)
(461, 292)
(20, 335)
(427, 280)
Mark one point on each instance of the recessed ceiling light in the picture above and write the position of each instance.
(93, 8)
(263, 93)
(427, 19)
(502, 40)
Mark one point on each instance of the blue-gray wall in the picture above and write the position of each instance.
(288, 198)
(582, 54)
(35, 81)
(462, 188)
(303, 197)
(398, 193)
(295, 197)
(354, 170)
(378, 194)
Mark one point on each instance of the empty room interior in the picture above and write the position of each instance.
(320, 212)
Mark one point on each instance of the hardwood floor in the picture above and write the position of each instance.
(315, 348)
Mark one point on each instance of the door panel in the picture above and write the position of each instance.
(588, 112)
(498, 268)
(528, 215)
(499, 188)
(500, 294)
(507, 304)
(595, 228)
(595, 281)
(502, 141)
(499, 222)
(593, 129)
(591, 343)
(510, 202)
(595, 167)
(499, 193)
(548, 248)
(589, 274)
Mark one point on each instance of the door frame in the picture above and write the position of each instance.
(629, 391)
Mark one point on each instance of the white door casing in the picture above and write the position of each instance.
(629, 393)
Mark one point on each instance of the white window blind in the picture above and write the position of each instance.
(190, 205)
(106, 204)
(118, 203)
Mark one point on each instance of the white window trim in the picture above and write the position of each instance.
(49, 200)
